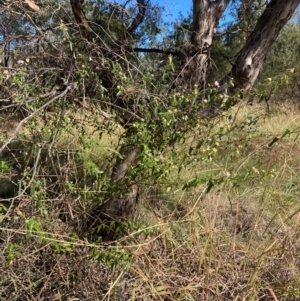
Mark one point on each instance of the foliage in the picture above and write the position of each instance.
(282, 65)
(76, 110)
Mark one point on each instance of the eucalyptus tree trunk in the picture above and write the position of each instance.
(253, 55)
(206, 15)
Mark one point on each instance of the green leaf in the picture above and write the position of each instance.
(286, 133)
(210, 185)
(189, 184)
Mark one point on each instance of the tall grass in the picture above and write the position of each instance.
(240, 241)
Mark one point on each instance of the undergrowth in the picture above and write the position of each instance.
(223, 227)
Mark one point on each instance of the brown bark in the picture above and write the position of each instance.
(206, 14)
(122, 206)
(251, 58)
(84, 27)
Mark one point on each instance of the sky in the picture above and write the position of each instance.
(174, 7)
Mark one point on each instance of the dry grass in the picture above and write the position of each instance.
(214, 250)
(239, 242)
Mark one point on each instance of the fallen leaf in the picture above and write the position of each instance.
(20, 213)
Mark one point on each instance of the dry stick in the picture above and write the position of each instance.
(66, 238)
(62, 113)
(31, 99)
(112, 286)
(21, 192)
(272, 292)
(17, 260)
(39, 152)
(47, 280)
(34, 168)
(31, 115)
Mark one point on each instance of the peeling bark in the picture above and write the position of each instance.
(122, 202)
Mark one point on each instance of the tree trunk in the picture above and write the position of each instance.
(123, 199)
(251, 58)
(123, 206)
(206, 14)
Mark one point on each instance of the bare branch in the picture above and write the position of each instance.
(139, 17)
(31, 115)
(156, 50)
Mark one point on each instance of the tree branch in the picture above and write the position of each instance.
(156, 50)
(221, 6)
(84, 27)
(138, 19)
(33, 114)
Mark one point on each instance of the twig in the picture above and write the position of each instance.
(47, 280)
(31, 115)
